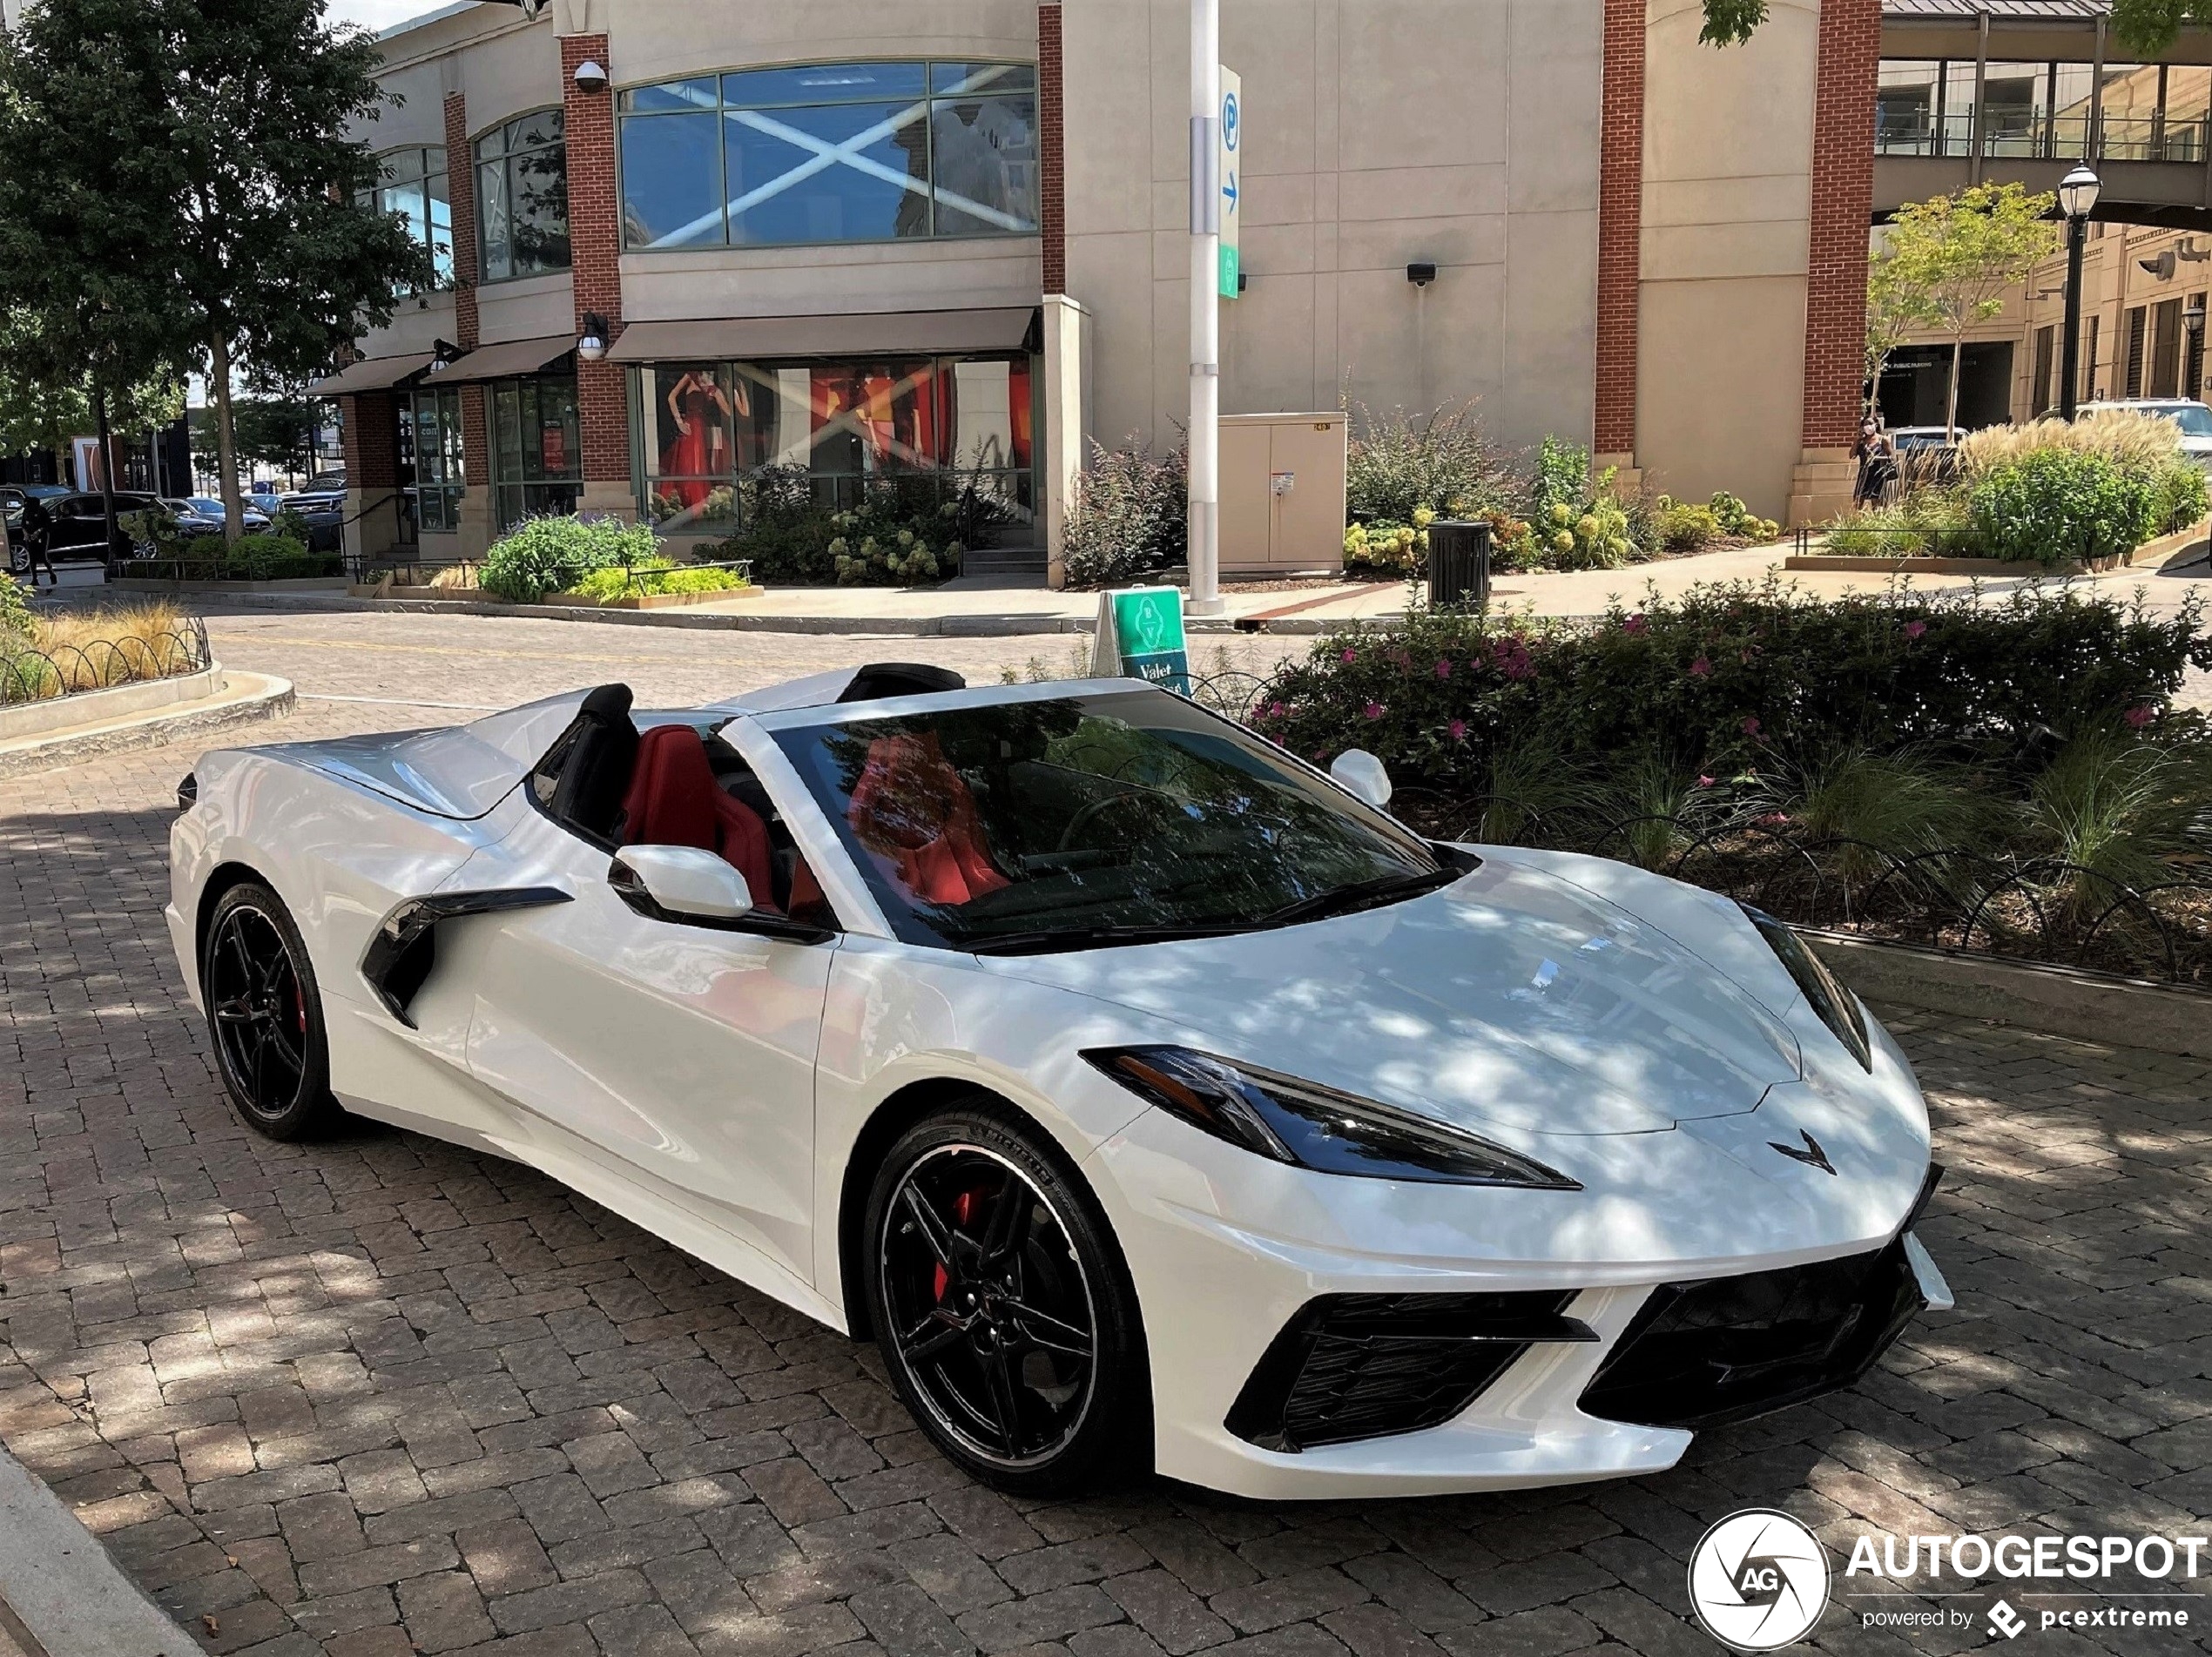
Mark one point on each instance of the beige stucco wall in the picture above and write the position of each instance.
(1379, 132)
(1727, 219)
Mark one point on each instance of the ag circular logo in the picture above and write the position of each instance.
(1758, 1581)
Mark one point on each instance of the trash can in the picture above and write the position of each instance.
(1459, 563)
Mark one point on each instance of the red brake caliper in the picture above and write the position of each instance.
(300, 1007)
(963, 1212)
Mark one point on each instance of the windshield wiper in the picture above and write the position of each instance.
(1361, 894)
(1038, 943)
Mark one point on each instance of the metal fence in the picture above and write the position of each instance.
(29, 674)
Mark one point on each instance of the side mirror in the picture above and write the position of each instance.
(679, 883)
(1363, 775)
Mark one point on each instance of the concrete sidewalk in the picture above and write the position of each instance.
(61, 1593)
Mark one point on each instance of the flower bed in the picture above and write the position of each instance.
(45, 656)
(2005, 775)
(2049, 494)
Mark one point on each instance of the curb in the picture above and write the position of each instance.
(2101, 1007)
(1016, 625)
(64, 1586)
(248, 698)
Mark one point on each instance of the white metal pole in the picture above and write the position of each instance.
(1205, 308)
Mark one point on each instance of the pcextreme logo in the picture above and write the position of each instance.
(1758, 1581)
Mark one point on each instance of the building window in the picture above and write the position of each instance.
(932, 426)
(414, 188)
(536, 449)
(831, 152)
(2043, 110)
(432, 469)
(2136, 329)
(2041, 400)
(523, 197)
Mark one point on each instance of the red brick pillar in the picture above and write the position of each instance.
(1620, 231)
(595, 239)
(370, 438)
(1052, 149)
(1843, 210)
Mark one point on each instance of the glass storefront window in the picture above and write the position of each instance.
(439, 476)
(414, 189)
(830, 152)
(2043, 110)
(536, 449)
(835, 429)
(523, 197)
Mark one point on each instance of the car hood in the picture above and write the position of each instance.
(1511, 1001)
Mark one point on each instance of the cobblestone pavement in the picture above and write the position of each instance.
(379, 1396)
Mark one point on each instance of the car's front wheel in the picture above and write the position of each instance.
(1003, 1307)
(264, 1013)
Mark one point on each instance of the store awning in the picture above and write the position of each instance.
(371, 374)
(870, 333)
(506, 360)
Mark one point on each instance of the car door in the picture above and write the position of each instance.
(679, 1056)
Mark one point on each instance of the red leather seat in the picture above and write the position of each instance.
(913, 810)
(673, 800)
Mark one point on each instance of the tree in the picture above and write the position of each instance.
(276, 432)
(1896, 306)
(1730, 22)
(217, 133)
(1961, 254)
(2149, 28)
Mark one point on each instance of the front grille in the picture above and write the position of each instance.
(1728, 1349)
(1366, 1366)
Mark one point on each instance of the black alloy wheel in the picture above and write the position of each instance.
(1003, 1307)
(264, 1013)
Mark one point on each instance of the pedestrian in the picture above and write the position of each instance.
(38, 540)
(1875, 453)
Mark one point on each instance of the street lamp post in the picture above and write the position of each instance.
(2078, 193)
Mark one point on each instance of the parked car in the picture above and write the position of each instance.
(202, 514)
(74, 525)
(324, 513)
(266, 501)
(2193, 418)
(1152, 1097)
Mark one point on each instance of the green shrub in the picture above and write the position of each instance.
(1685, 527)
(539, 555)
(1398, 465)
(1131, 515)
(2184, 496)
(661, 575)
(15, 612)
(2055, 504)
(1561, 481)
(267, 555)
(1726, 674)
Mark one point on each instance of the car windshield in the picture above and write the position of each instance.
(1094, 819)
(2193, 419)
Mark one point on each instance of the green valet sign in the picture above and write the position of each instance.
(1140, 637)
(1231, 167)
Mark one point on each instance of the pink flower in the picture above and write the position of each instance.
(1751, 726)
(1374, 710)
(1443, 669)
(1700, 669)
(2138, 717)
(1913, 630)
(1459, 729)
(1705, 782)
(1773, 820)
(1634, 625)
(1350, 657)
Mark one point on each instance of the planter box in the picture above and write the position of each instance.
(434, 595)
(19, 719)
(648, 601)
(296, 584)
(2151, 552)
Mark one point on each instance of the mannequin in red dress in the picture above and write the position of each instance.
(700, 448)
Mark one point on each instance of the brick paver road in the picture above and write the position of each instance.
(378, 1395)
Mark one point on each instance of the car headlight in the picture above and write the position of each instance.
(1837, 1007)
(1309, 1126)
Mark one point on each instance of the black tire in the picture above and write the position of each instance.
(990, 1336)
(265, 1016)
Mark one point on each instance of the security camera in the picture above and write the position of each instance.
(1421, 273)
(589, 77)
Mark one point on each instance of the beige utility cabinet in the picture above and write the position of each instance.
(1282, 493)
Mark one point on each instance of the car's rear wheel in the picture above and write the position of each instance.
(1003, 1307)
(264, 1013)
(18, 555)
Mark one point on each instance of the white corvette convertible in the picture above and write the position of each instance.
(1152, 1098)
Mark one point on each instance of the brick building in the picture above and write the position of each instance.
(687, 253)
